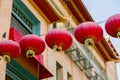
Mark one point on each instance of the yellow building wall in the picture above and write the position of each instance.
(51, 57)
(111, 70)
(5, 16)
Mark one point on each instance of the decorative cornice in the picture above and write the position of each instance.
(107, 50)
(78, 10)
(49, 11)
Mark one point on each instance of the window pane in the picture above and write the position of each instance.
(69, 77)
(18, 26)
(24, 16)
(59, 72)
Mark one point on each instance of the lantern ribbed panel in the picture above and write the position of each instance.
(59, 37)
(88, 30)
(112, 25)
(10, 48)
(32, 42)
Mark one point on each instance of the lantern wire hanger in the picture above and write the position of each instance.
(89, 41)
(57, 48)
(6, 58)
(30, 53)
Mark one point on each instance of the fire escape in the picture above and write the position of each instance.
(86, 61)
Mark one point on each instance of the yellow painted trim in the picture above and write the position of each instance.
(62, 18)
(110, 48)
(86, 11)
(104, 50)
(69, 13)
(36, 8)
(80, 14)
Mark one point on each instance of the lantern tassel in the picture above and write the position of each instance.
(6, 58)
(30, 54)
(89, 41)
(118, 34)
(57, 48)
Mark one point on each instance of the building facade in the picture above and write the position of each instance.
(21, 17)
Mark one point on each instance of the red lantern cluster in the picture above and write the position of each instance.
(112, 25)
(32, 45)
(58, 39)
(88, 33)
(9, 49)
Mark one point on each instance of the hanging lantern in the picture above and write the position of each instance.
(32, 45)
(58, 39)
(9, 49)
(88, 33)
(112, 26)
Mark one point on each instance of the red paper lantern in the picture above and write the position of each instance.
(58, 39)
(112, 25)
(88, 33)
(32, 45)
(9, 49)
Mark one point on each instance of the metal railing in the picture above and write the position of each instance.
(86, 61)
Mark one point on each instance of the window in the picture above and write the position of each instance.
(59, 72)
(16, 72)
(54, 25)
(23, 19)
(15, 23)
(69, 77)
(58, 25)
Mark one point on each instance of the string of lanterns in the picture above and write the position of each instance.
(88, 33)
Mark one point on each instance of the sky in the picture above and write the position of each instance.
(101, 10)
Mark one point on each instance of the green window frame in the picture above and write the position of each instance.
(25, 17)
(17, 72)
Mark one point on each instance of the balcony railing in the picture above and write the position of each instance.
(86, 61)
(84, 58)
